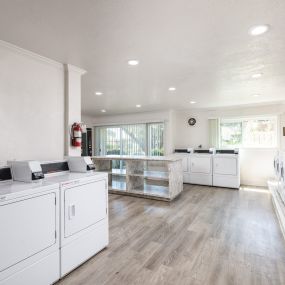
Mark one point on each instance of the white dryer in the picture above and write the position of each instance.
(29, 238)
(201, 167)
(226, 169)
(84, 229)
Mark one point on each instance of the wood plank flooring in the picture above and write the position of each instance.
(206, 236)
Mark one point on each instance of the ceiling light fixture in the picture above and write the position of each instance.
(172, 88)
(258, 30)
(103, 111)
(138, 105)
(133, 62)
(256, 75)
(256, 95)
(98, 93)
(193, 102)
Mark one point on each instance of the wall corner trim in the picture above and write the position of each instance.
(31, 54)
(73, 68)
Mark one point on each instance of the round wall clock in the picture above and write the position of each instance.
(192, 121)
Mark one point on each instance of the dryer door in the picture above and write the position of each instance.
(201, 164)
(27, 227)
(225, 165)
(84, 206)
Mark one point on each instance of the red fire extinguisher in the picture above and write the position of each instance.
(76, 135)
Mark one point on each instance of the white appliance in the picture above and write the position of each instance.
(29, 237)
(276, 164)
(281, 176)
(26, 171)
(277, 188)
(226, 169)
(185, 156)
(201, 167)
(84, 229)
(80, 163)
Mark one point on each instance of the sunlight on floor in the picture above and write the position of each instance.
(255, 189)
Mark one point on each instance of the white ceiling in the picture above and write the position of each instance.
(202, 47)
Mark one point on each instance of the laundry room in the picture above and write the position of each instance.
(142, 142)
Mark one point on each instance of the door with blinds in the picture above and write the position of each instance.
(130, 139)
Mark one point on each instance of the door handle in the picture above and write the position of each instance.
(71, 211)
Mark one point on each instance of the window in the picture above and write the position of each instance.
(231, 133)
(248, 132)
(135, 139)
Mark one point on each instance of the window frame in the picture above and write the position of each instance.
(244, 118)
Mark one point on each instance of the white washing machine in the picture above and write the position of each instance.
(277, 188)
(29, 237)
(276, 164)
(226, 169)
(84, 229)
(201, 167)
(281, 177)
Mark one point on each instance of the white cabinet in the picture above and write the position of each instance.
(28, 227)
(85, 205)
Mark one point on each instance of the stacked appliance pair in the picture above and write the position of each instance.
(210, 167)
(50, 227)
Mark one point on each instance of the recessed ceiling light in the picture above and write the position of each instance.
(98, 93)
(256, 95)
(103, 111)
(193, 102)
(133, 62)
(138, 105)
(256, 75)
(172, 88)
(258, 30)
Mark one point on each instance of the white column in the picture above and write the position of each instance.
(72, 105)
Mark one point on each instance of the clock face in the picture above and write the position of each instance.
(192, 121)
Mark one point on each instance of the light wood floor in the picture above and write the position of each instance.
(207, 236)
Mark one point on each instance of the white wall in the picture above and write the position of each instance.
(256, 164)
(31, 106)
